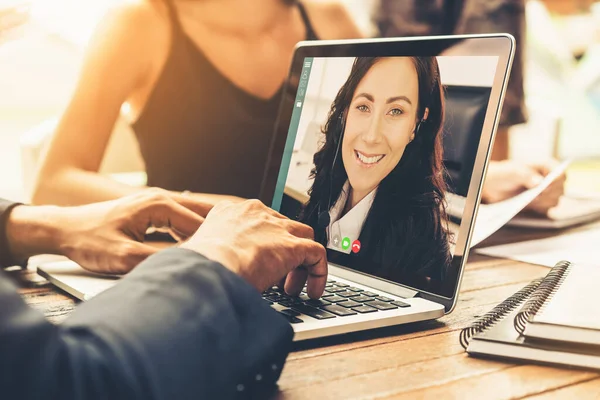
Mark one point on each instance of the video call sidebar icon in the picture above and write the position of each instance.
(303, 83)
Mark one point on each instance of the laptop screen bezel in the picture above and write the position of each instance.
(501, 46)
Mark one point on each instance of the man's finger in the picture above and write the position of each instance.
(177, 217)
(199, 207)
(295, 281)
(281, 283)
(315, 263)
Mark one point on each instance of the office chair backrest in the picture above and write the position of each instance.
(465, 112)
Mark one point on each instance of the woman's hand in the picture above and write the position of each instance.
(102, 237)
(506, 179)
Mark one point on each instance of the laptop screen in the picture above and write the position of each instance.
(375, 147)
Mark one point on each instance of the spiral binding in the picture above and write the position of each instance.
(545, 291)
(497, 313)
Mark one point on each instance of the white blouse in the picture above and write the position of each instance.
(342, 232)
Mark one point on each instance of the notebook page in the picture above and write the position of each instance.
(575, 303)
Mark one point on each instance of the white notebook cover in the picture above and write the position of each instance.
(78, 282)
(571, 313)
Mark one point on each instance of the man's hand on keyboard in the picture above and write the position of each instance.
(102, 237)
(262, 246)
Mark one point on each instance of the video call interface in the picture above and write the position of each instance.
(376, 149)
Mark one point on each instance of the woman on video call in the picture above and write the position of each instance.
(379, 175)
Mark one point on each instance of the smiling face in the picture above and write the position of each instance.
(380, 123)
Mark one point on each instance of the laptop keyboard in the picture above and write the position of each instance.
(338, 300)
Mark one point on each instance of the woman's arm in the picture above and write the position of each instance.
(118, 62)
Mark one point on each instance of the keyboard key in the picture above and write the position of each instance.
(382, 298)
(312, 312)
(337, 310)
(364, 309)
(340, 284)
(304, 297)
(290, 312)
(288, 301)
(370, 294)
(330, 281)
(380, 305)
(326, 294)
(400, 304)
(275, 298)
(349, 303)
(291, 319)
(362, 298)
(335, 299)
(355, 289)
(336, 289)
(347, 293)
(317, 302)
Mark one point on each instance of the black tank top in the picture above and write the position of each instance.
(199, 131)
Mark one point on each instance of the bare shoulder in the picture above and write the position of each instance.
(332, 20)
(132, 38)
(139, 21)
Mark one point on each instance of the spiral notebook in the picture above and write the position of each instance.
(553, 320)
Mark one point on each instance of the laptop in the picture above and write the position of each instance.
(358, 154)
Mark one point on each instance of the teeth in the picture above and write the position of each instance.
(369, 160)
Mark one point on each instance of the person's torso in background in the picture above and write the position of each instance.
(201, 132)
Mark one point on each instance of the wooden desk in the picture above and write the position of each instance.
(420, 360)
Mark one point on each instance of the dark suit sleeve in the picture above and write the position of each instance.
(6, 259)
(193, 330)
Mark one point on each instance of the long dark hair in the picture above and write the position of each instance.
(405, 235)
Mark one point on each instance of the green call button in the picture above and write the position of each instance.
(346, 243)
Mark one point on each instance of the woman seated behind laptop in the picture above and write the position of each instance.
(379, 177)
(203, 80)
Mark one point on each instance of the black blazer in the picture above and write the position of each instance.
(179, 326)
